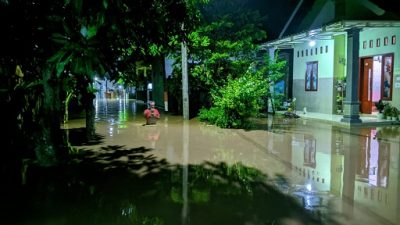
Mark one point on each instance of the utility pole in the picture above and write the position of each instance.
(185, 89)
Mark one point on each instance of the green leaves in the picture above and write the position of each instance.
(197, 40)
(237, 101)
(105, 4)
(61, 65)
(155, 50)
(90, 32)
(59, 38)
(80, 57)
(242, 97)
(76, 4)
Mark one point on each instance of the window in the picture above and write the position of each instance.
(393, 39)
(298, 54)
(306, 52)
(311, 51)
(326, 49)
(311, 76)
(378, 42)
(320, 50)
(364, 44)
(302, 53)
(385, 41)
(387, 77)
(316, 51)
(371, 43)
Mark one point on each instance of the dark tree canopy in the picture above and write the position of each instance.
(51, 48)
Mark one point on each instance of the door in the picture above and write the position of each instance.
(366, 86)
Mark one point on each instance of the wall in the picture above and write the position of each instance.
(374, 34)
(320, 100)
(339, 66)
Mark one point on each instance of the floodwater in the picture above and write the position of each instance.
(283, 171)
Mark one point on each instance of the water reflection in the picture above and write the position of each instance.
(185, 173)
(285, 171)
(99, 188)
(358, 167)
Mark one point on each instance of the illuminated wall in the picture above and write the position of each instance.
(331, 58)
(322, 53)
(379, 41)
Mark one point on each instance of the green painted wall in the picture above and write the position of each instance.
(339, 61)
(339, 67)
(373, 34)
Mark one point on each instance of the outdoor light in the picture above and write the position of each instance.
(150, 86)
(311, 43)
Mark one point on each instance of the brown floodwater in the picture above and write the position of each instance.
(282, 171)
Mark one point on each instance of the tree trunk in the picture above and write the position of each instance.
(158, 80)
(90, 112)
(49, 147)
(66, 106)
(90, 116)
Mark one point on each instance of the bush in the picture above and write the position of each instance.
(387, 110)
(236, 102)
(215, 116)
(380, 105)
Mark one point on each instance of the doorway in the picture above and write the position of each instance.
(376, 77)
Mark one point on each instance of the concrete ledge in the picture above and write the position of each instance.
(366, 120)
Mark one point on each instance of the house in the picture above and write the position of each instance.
(343, 56)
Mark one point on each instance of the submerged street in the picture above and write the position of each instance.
(283, 171)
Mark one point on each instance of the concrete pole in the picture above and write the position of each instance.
(185, 93)
(351, 102)
(271, 53)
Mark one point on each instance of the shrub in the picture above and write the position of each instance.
(236, 102)
(387, 110)
(380, 105)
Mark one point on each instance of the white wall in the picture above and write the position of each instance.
(325, 60)
(320, 100)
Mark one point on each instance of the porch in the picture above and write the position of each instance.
(367, 119)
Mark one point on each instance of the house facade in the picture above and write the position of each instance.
(343, 67)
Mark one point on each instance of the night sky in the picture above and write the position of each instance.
(277, 13)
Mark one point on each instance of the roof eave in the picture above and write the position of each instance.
(327, 31)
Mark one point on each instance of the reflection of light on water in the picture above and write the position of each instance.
(96, 109)
(134, 107)
(111, 121)
(166, 121)
(122, 114)
(308, 202)
(111, 131)
(308, 186)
